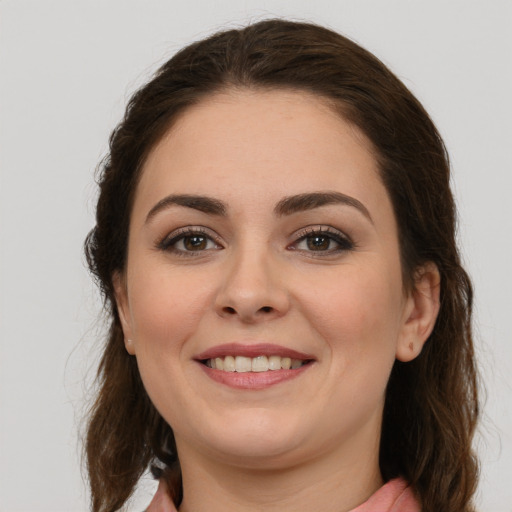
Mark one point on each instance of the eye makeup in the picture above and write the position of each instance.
(322, 240)
(189, 241)
(317, 241)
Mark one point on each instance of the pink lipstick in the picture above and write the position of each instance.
(257, 366)
(259, 349)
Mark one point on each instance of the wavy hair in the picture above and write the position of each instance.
(431, 406)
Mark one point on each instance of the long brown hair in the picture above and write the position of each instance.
(431, 403)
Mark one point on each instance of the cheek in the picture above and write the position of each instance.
(166, 309)
(358, 316)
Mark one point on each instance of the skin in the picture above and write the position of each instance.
(310, 443)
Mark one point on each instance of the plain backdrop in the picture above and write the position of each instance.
(68, 67)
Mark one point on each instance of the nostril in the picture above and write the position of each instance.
(248, 314)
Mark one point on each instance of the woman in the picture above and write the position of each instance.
(291, 325)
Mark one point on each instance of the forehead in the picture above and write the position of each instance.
(263, 144)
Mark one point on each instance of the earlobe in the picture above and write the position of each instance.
(123, 310)
(420, 313)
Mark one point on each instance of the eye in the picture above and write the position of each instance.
(194, 243)
(189, 240)
(322, 240)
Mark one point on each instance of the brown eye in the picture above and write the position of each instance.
(188, 241)
(318, 243)
(323, 241)
(195, 243)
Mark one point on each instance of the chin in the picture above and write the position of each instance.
(253, 439)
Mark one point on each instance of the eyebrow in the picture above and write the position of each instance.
(201, 203)
(286, 206)
(309, 201)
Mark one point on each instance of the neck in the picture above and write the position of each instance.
(323, 483)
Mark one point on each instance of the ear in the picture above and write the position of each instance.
(123, 310)
(420, 312)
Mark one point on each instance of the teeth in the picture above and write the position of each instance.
(244, 364)
(296, 363)
(259, 364)
(229, 364)
(286, 363)
(274, 363)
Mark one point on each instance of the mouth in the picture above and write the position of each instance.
(262, 363)
(253, 366)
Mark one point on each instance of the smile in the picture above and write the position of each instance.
(242, 364)
(249, 366)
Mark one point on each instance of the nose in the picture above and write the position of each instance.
(252, 289)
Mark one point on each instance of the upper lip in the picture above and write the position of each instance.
(251, 350)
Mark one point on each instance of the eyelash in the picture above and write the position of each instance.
(344, 243)
(169, 242)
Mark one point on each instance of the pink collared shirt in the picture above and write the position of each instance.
(394, 496)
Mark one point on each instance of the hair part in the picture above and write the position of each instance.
(431, 404)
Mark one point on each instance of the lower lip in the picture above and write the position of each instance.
(253, 380)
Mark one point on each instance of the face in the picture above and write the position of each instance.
(263, 296)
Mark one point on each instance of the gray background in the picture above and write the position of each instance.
(67, 69)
